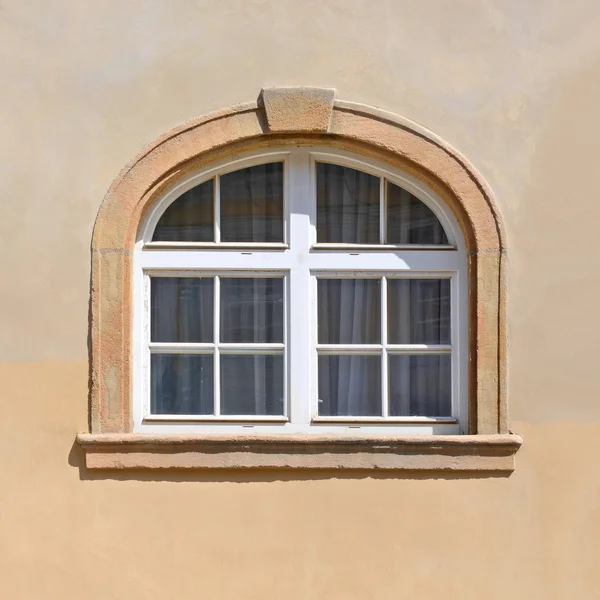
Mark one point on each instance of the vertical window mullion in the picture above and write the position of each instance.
(286, 351)
(459, 402)
(384, 356)
(382, 211)
(147, 358)
(216, 339)
(299, 317)
(217, 191)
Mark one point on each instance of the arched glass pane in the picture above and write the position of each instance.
(347, 206)
(190, 218)
(252, 204)
(410, 221)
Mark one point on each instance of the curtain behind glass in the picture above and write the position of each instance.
(190, 218)
(252, 384)
(181, 384)
(420, 385)
(411, 221)
(349, 312)
(252, 312)
(419, 313)
(181, 309)
(252, 204)
(347, 205)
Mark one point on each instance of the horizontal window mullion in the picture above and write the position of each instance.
(218, 260)
(272, 349)
(219, 418)
(349, 349)
(322, 246)
(272, 246)
(388, 262)
(355, 419)
(418, 349)
(177, 348)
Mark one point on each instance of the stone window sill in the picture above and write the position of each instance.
(410, 453)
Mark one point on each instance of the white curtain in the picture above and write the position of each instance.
(190, 218)
(251, 312)
(252, 204)
(410, 221)
(347, 205)
(181, 311)
(419, 313)
(349, 312)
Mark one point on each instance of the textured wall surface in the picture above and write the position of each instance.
(513, 85)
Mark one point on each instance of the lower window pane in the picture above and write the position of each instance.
(349, 385)
(251, 384)
(181, 384)
(420, 386)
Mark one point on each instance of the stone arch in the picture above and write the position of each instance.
(277, 117)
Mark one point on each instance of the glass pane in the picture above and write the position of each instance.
(181, 309)
(252, 204)
(251, 310)
(420, 386)
(190, 218)
(411, 221)
(251, 384)
(181, 384)
(349, 386)
(349, 311)
(419, 311)
(347, 205)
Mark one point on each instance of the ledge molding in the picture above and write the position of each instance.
(410, 453)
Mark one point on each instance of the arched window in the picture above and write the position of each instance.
(299, 282)
(301, 290)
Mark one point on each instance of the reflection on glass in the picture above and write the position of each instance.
(418, 311)
(190, 218)
(420, 386)
(349, 386)
(251, 310)
(181, 384)
(252, 204)
(251, 384)
(411, 221)
(181, 309)
(347, 205)
(349, 311)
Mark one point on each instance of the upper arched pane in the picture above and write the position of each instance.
(190, 218)
(247, 206)
(354, 207)
(409, 220)
(241, 206)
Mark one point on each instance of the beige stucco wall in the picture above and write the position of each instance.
(513, 85)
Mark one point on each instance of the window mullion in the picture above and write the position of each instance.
(384, 359)
(382, 211)
(299, 316)
(217, 189)
(217, 353)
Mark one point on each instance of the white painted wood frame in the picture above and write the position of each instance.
(300, 261)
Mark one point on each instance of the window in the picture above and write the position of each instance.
(243, 273)
(303, 290)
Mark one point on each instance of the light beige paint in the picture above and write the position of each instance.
(512, 85)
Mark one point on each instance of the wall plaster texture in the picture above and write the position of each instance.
(513, 86)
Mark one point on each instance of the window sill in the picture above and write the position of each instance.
(410, 453)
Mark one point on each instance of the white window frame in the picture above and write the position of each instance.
(301, 260)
